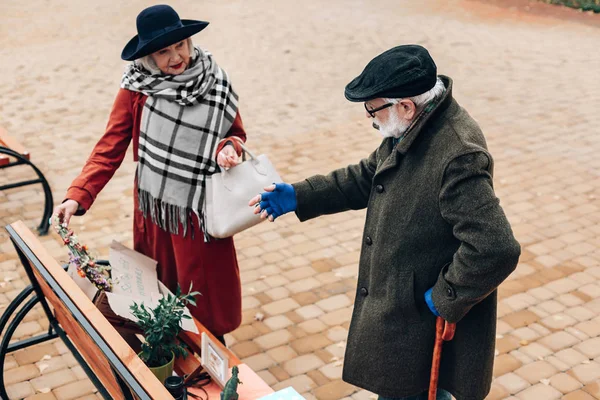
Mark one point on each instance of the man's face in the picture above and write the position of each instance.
(392, 121)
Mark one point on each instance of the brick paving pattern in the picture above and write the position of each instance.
(530, 80)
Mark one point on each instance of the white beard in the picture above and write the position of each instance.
(394, 127)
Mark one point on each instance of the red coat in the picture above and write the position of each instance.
(211, 267)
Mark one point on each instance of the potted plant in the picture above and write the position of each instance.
(160, 327)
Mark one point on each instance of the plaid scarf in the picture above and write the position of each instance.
(183, 119)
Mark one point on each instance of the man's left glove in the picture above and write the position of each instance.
(430, 304)
(279, 199)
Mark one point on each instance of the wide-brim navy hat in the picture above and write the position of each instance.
(403, 71)
(158, 27)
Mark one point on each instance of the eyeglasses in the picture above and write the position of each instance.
(372, 111)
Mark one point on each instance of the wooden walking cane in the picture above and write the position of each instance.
(444, 332)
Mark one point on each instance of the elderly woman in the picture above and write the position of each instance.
(180, 110)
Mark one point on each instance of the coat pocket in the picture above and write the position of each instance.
(407, 305)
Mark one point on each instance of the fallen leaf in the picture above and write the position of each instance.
(499, 336)
(262, 277)
(46, 357)
(334, 359)
(338, 363)
(259, 316)
(545, 381)
(341, 344)
(523, 342)
(42, 367)
(44, 390)
(8, 278)
(585, 362)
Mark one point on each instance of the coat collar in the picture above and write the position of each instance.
(393, 157)
(415, 130)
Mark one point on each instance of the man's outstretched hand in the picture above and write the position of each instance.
(279, 199)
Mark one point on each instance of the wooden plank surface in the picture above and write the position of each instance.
(11, 143)
(143, 375)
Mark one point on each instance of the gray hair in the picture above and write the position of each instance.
(424, 98)
(147, 62)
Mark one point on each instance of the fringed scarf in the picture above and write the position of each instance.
(184, 118)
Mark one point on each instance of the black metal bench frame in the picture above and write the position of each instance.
(48, 203)
(127, 382)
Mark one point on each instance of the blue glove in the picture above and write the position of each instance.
(280, 201)
(430, 304)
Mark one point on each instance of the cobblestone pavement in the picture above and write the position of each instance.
(530, 80)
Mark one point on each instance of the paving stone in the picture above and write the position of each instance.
(558, 321)
(334, 390)
(20, 374)
(53, 379)
(590, 348)
(570, 299)
(274, 339)
(278, 293)
(277, 322)
(526, 333)
(593, 389)
(504, 364)
(20, 390)
(312, 326)
(258, 362)
(337, 317)
(300, 383)
(310, 343)
(267, 377)
(586, 373)
(282, 353)
(539, 391)
(302, 364)
(280, 306)
(74, 390)
(332, 370)
(35, 353)
(565, 383)
(245, 349)
(309, 311)
(337, 333)
(563, 285)
(303, 285)
(45, 396)
(578, 395)
(512, 382)
(557, 363)
(520, 318)
(334, 303)
(497, 392)
(558, 341)
(571, 357)
(536, 371)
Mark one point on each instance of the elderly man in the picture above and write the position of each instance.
(436, 241)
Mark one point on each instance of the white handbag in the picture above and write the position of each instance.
(227, 195)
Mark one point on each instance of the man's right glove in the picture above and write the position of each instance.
(279, 199)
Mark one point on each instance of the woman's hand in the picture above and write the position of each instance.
(227, 157)
(65, 211)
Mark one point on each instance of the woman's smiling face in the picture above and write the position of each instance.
(174, 59)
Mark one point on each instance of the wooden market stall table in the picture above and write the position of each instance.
(108, 360)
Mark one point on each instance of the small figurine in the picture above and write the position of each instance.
(230, 390)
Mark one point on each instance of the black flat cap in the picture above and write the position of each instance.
(403, 71)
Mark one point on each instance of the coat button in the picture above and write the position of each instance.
(368, 241)
(379, 188)
(450, 292)
(364, 291)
